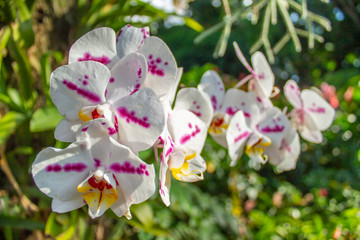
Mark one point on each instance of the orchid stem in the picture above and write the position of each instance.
(243, 81)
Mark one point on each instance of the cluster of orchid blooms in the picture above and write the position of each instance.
(116, 96)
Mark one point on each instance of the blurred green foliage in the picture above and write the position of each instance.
(320, 199)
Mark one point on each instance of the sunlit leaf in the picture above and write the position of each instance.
(9, 123)
(44, 119)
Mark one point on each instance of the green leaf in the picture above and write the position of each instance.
(9, 123)
(44, 119)
(20, 223)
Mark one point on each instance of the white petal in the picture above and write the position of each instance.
(213, 86)
(265, 77)
(236, 137)
(129, 39)
(141, 119)
(60, 206)
(57, 172)
(135, 178)
(195, 170)
(96, 45)
(176, 159)
(248, 102)
(320, 110)
(162, 68)
(196, 102)
(174, 88)
(220, 139)
(187, 130)
(65, 130)
(292, 93)
(127, 76)
(290, 152)
(98, 133)
(78, 85)
(314, 136)
(164, 185)
(274, 124)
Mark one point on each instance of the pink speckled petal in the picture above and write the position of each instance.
(135, 179)
(248, 102)
(162, 68)
(187, 130)
(141, 119)
(285, 156)
(96, 45)
(57, 172)
(274, 125)
(130, 39)
(127, 77)
(237, 134)
(213, 86)
(264, 76)
(292, 93)
(320, 110)
(196, 102)
(78, 85)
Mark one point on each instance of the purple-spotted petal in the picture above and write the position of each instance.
(97, 45)
(274, 124)
(162, 68)
(65, 130)
(213, 86)
(78, 85)
(292, 93)
(196, 102)
(57, 172)
(320, 110)
(134, 178)
(141, 119)
(235, 100)
(285, 156)
(237, 135)
(127, 76)
(187, 130)
(129, 39)
(264, 76)
(60, 206)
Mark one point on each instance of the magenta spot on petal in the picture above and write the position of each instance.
(136, 88)
(241, 136)
(128, 168)
(185, 138)
(158, 60)
(274, 129)
(85, 82)
(242, 104)
(196, 113)
(194, 102)
(214, 101)
(87, 56)
(111, 131)
(84, 129)
(82, 92)
(103, 123)
(57, 168)
(49, 168)
(317, 110)
(130, 117)
(190, 126)
(166, 63)
(231, 111)
(197, 107)
(258, 99)
(86, 76)
(292, 86)
(97, 162)
(111, 80)
(150, 56)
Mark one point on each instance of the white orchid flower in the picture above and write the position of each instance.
(225, 105)
(181, 154)
(261, 80)
(83, 91)
(102, 45)
(95, 170)
(255, 134)
(311, 114)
